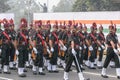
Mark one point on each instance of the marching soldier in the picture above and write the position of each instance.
(112, 52)
(12, 47)
(54, 49)
(38, 40)
(100, 40)
(6, 40)
(0, 47)
(81, 40)
(85, 52)
(62, 43)
(92, 43)
(21, 46)
(73, 54)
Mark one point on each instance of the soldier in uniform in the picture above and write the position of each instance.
(92, 43)
(112, 52)
(85, 52)
(38, 40)
(62, 43)
(12, 47)
(101, 41)
(82, 41)
(54, 49)
(47, 56)
(0, 46)
(73, 54)
(22, 41)
(6, 40)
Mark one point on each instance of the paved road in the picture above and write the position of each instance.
(92, 74)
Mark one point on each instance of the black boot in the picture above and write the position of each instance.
(104, 76)
(8, 72)
(41, 73)
(22, 75)
(34, 72)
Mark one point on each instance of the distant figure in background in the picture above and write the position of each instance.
(45, 9)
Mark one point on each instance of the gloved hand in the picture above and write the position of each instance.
(64, 48)
(0, 50)
(17, 52)
(35, 50)
(116, 51)
(80, 47)
(99, 49)
(103, 47)
(48, 51)
(52, 49)
(90, 48)
(85, 47)
(74, 52)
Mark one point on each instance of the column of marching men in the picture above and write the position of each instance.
(47, 46)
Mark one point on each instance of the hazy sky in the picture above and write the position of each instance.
(50, 3)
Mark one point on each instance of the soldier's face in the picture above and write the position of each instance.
(85, 29)
(100, 29)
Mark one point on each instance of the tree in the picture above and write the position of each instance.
(95, 5)
(3, 6)
(64, 6)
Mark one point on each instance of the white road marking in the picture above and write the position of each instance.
(97, 74)
(5, 78)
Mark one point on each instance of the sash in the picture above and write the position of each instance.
(24, 37)
(81, 35)
(102, 36)
(56, 37)
(6, 35)
(94, 38)
(41, 39)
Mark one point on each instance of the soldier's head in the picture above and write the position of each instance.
(80, 27)
(111, 28)
(94, 27)
(23, 24)
(11, 23)
(100, 28)
(55, 26)
(6, 26)
(115, 29)
(85, 28)
(23, 27)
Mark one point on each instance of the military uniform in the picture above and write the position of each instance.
(38, 61)
(6, 40)
(0, 49)
(81, 44)
(73, 54)
(22, 47)
(85, 52)
(92, 38)
(112, 52)
(12, 47)
(101, 47)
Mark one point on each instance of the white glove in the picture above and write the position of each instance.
(64, 48)
(80, 48)
(116, 51)
(103, 47)
(99, 49)
(48, 51)
(17, 52)
(35, 50)
(52, 50)
(90, 48)
(85, 47)
(0, 50)
(74, 52)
